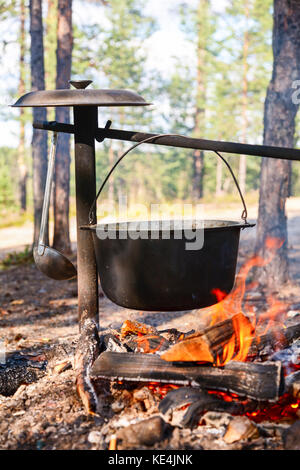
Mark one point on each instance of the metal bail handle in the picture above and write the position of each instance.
(149, 139)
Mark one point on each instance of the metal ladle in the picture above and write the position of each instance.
(48, 260)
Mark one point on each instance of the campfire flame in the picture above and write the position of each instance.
(245, 325)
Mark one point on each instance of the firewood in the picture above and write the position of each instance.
(147, 343)
(62, 367)
(273, 340)
(173, 335)
(260, 381)
(18, 370)
(172, 407)
(134, 327)
(88, 348)
(208, 345)
(292, 384)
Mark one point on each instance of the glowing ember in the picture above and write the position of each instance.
(286, 408)
(161, 390)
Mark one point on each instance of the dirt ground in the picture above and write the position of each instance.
(38, 319)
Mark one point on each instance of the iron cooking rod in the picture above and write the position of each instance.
(181, 142)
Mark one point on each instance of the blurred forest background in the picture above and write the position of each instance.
(216, 91)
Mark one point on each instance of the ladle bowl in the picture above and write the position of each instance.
(53, 264)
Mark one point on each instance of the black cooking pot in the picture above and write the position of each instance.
(162, 274)
(166, 272)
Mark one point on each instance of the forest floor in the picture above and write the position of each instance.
(38, 319)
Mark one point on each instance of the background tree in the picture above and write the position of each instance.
(279, 129)
(61, 239)
(39, 138)
(199, 27)
(21, 90)
(123, 58)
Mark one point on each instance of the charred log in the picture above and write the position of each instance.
(292, 384)
(274, 340)
(260, 381)
(18, 370)
(172, 407)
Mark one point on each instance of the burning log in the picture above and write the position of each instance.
(274, 339)
(135, 327)
(260, 381)
(292, 384)
(147, 343)
(88, 348)
(208, 345)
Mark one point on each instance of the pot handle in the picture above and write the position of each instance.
(92, 216)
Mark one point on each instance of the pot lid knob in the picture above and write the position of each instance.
(80, 84)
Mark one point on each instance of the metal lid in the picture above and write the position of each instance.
(80, 97)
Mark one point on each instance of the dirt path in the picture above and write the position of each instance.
(17, 238)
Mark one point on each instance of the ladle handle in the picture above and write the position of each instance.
(149, 139)
(48, 187)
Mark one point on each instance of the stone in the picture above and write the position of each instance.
(143, 433)
(239, 428)
(291, 437)
(94, 437)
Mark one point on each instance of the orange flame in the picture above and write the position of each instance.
(245, 325)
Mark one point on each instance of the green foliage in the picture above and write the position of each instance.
(114, 55)
(17, 258)
(8, 173)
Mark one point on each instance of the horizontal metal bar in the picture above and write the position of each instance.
(54, 126)
(203, 144)
(181, 142)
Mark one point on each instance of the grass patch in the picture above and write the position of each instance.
(19, 258)
(9, 218)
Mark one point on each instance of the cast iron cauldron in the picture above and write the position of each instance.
(161, 274)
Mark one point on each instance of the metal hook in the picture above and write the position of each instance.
(101, 136)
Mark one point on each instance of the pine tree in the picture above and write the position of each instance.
(39, 138)
(61, 239)
(122, 59)
(279, 129)
(198, 24)
(21, 90)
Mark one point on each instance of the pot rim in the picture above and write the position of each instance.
(213, 224)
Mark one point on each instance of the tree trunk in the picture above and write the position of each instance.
(198, 170)
(279, 129)
(243, 158)
(198, 156)
(39, 138)
(61, 239)
(219, 175)
(111, 159)
(21, 148)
